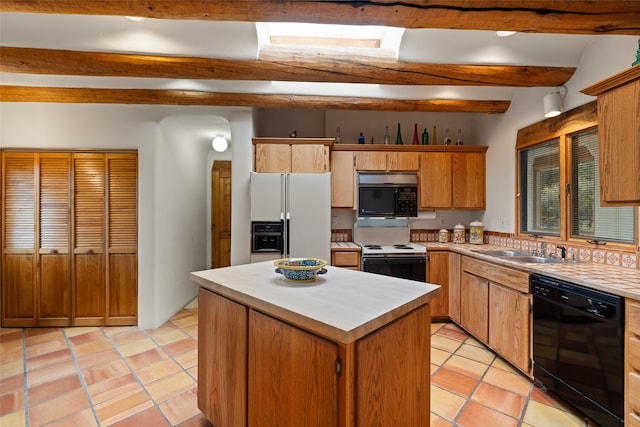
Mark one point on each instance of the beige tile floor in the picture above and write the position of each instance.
(124, 376)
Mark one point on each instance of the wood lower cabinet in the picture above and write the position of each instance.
(346, 259)
(454, 286)
(474, 305)
(256, 370)
(69, 240)
(300, 155)
(438, 273)
(632, 364)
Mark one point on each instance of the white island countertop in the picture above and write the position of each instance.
(342, 305)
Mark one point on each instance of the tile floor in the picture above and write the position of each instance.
(123, 376)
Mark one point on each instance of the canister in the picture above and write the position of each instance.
(476, 231)
(458, 234)
(443, 236)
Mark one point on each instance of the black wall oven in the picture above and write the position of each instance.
(578, 347)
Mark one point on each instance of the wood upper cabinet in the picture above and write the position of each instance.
(619, 137)
(452, 180)
(342, 179)
(387, 161)
(438, 273)
(299, 155)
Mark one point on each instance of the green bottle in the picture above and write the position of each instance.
(425, 137)
(399, 136)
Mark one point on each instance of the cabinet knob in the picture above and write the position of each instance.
(53, 251)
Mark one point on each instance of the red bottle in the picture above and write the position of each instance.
(415, 135)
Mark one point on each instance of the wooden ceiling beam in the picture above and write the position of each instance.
(9, 93)
(290, 68)
(534, 16)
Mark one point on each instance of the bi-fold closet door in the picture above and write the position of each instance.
(69, 239)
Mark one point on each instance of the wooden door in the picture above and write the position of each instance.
(342, 179)
(309, 158)
(53, 291)
(469, 180)
(221, 214)
(439, 274)
(474, 305)
(222, 360)
(273, 158)
(435, 181)
(509, 307)
(292, 376)
(18, 239)
(403, 161)
(371, 161)
(122, 239)
(89, 238)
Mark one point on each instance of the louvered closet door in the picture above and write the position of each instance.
(54, 290)
(89, 239)
(122, 239)
(18, 239)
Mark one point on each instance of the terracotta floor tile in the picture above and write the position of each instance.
(445, 404)
(122, 407)
(52, 389)
(186, 321)
(50, 373)
(59, 356)
(10, 356)
(11, 402)
(136, 347)
(158, 371)
(181, 346)
(452, 331)
(509, 381)
(91, 347)
(129, 337)
(113, 387)
(467, 367)
(11, 384)
(60, 407)
(113, 331)
(473, 341)
(167, 327)
(181, 314)
(197, 421)
(80, 330)
(438, 356)
(500, 400)
(500, 363)
(193, 372)
(475, 415)
(11, 345)
(10, 334)
(46, 347)
(167, 387)
(14, 419)
(436, 326)
(149, 417)
(83, 418)
(437, 421)
(98, 358)
(483, 355)
(40, 335)
(104, 372)
(192, 331)
(169, 337)
(454, 382)
(188, 359)
(549, 398)
(444, 343)
(146, 358)
(538, 414)
(11, 368)
(93, 335)
(181, 408)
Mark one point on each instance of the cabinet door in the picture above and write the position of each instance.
(402, 161)
(435, 181)
(474, 305)
(371, 161)
(468, 180)
(309, 158)
(54, 290)
(512, 309)
(438, 270)
(342, 179)
(292, 376)
(18, 239)
(273, 158)
(222, 360)
(454, 286)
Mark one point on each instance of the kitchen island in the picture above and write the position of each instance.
(351, 349)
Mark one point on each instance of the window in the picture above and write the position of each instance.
(588, 219)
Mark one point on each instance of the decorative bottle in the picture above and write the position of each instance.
(434, 138)
(338, 139)
(447, 137)
(372, 142)
(415, 134)
(387, 138)
(361, 138)
(425, 137)
(459, 139)
(399, 136)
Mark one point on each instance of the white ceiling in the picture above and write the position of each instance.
(239, 40)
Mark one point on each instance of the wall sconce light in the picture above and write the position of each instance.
(553, 103)
(220, 143)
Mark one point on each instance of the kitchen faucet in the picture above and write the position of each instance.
(543, 249)
(563, 252)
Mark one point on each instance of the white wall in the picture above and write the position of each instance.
(174, 158)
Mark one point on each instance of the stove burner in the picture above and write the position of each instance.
(373, 246)
(402, 247)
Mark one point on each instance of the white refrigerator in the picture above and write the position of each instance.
(302, 203)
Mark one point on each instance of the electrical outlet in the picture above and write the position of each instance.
(502, 222)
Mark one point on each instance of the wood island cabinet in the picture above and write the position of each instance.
(292, 155)
(632, 364)
(619, 137)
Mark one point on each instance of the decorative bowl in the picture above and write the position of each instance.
(300, 269)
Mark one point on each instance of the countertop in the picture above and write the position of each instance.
(345, 246)
(342, 305)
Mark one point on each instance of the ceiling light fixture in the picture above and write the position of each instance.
(135, 18)
(553, 103)
(220, 144)
(505, 33)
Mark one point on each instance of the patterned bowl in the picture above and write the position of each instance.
(300, 269)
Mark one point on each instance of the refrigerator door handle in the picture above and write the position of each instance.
(288, 234)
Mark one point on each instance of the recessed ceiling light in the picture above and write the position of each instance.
(505, 33)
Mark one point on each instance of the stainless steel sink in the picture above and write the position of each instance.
(537, 259)
(501, 253)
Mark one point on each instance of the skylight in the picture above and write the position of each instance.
(361, 39)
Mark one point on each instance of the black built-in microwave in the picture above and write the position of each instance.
(387, 194)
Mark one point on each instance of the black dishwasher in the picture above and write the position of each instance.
(578, 347)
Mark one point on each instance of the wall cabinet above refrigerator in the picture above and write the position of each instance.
(291, 155)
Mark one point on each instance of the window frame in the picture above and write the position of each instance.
(563, 127)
